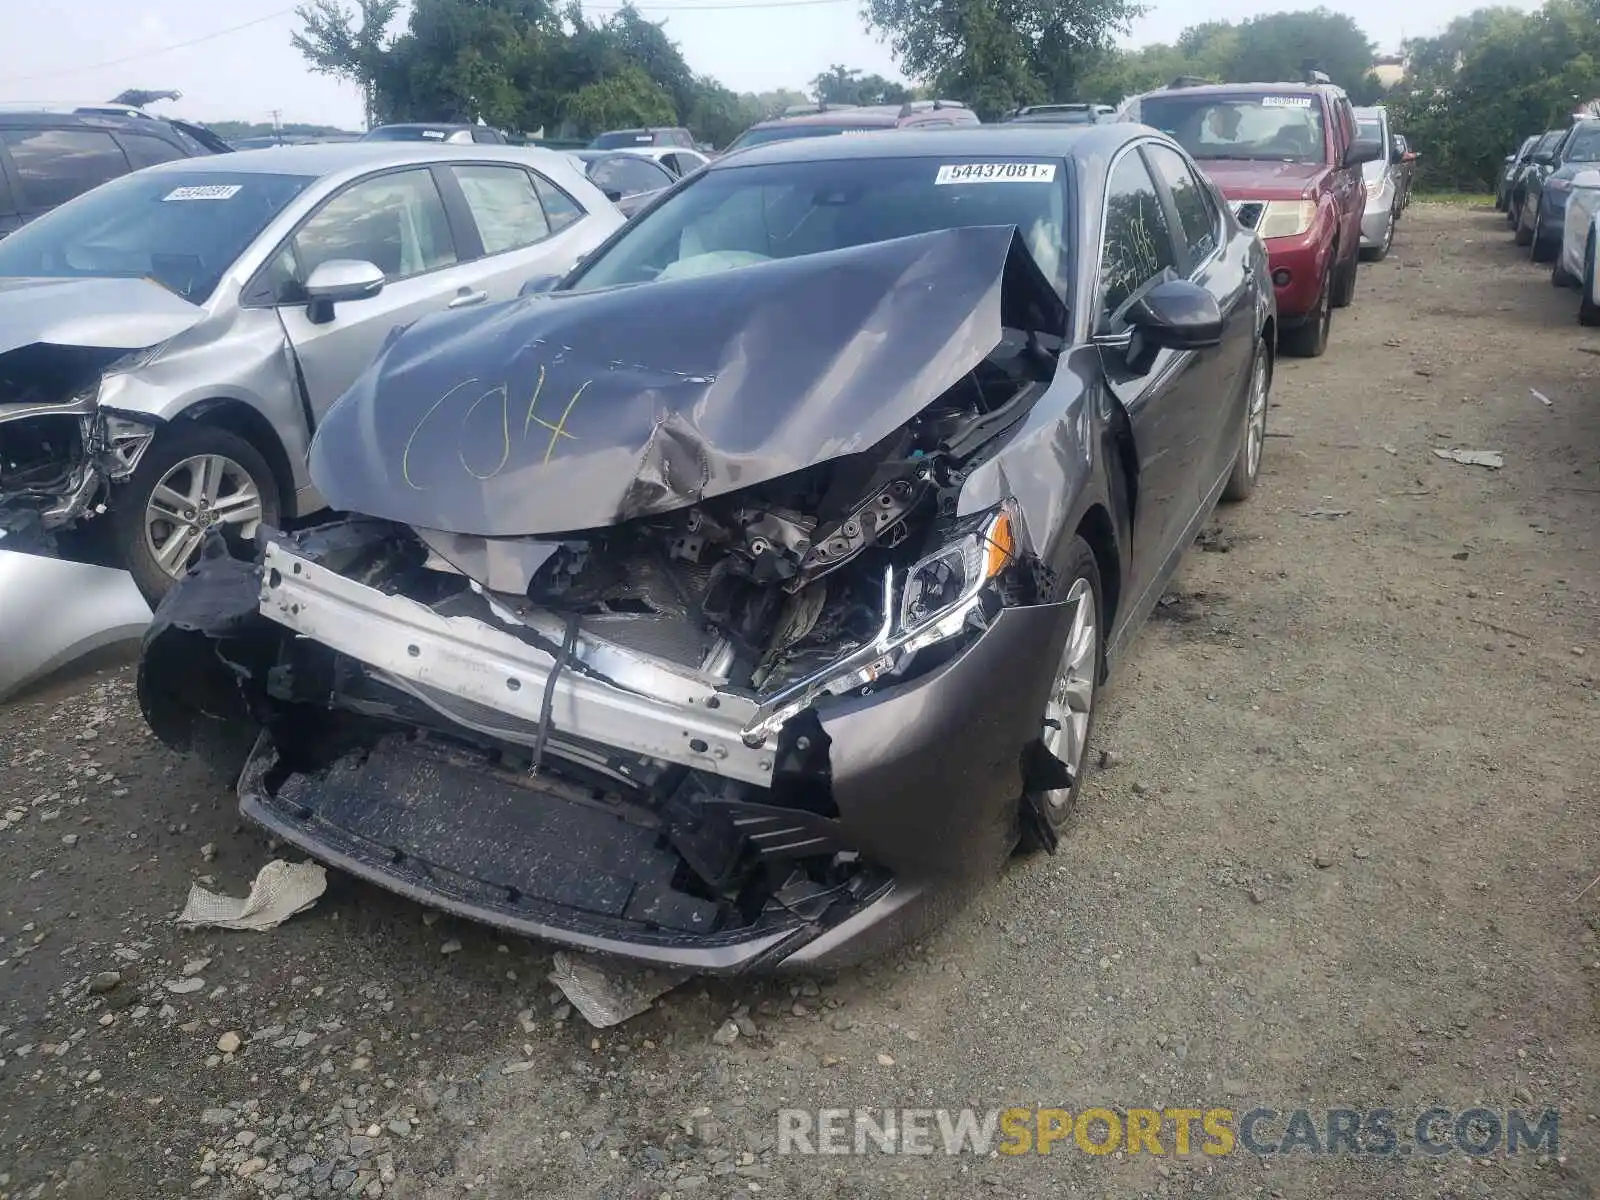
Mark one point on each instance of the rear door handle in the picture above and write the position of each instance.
(468, 299)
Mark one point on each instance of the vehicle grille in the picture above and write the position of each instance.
(1249, 212)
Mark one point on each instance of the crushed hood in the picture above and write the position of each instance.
(107, 313)
(572, 411)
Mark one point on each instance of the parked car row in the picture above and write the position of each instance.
(1543, 184)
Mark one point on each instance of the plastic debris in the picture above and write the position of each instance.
(1493, 459)
(1329, 514)
(1541, 397)
(608, 992)
(280, 890)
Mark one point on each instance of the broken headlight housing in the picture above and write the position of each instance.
(944, 595)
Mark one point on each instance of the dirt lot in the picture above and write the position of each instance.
(1334, 864)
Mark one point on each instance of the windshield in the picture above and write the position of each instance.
(1585, 143)
(1258, 128)
(621, 138)
(1370, 129)
(784, 133)
(739, 216)
(181, 229)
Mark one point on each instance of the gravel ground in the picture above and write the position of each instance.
(1332, 861)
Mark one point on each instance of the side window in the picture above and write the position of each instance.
(1136, 244)
(504, 205)
(1195, 214)
(55, 165)
(486, 135)
(560, 209)
(146, 151)
(395, 221)
(635, 175)
(678, 164)
(678, 137)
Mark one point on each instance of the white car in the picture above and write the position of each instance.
(676, 159)
(1578, 264)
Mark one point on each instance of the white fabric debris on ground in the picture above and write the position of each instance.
(608, 992)
(279, 891)
(1493, 459)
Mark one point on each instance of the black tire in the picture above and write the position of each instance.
(1056, 808)
(172, 446)
(1524, 235)
(1589, 306)
(1344, 281)
(1559, 276)
(1242, 480)
(1310, 339)
(1381, 251)
(1544, 250)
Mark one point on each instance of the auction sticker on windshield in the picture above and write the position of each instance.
(209, 191)
(996, 172)
(1286, 102)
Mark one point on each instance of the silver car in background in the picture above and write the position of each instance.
(1383, 191)
(170, 341)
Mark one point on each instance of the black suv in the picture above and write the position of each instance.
(48, 158)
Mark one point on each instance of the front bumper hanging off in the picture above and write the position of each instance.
(923, 777)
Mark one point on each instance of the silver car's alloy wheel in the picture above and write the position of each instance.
(1256, 418)
(195, 495)
(1066, 712)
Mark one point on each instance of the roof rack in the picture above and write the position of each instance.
(916, 106)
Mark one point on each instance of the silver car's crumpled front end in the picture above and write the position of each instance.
(60, 447)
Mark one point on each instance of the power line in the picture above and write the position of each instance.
(117, 62)
(735, 6)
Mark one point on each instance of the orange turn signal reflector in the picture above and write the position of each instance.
(999, 546)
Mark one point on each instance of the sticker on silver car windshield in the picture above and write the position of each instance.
(993, 172)
(209, 191)
(1286, 102)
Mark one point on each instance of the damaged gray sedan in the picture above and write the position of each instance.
(727, 602)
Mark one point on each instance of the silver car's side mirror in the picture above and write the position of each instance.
(338, 281)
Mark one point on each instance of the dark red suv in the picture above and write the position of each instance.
(1287, 158)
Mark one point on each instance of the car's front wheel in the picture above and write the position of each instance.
(193, 478)
(1068, 719)
(1247, 462)
(1310, 339)
(1344, 280)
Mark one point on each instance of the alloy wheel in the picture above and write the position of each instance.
(196, 494)
(1071, 701)
(1256, 417)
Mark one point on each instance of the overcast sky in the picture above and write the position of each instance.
(53, 54)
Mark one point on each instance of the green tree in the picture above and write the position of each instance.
(996, 54)
(623, 100)
(347, 45)
(848, 85)
(1276, 46)
(719, 115)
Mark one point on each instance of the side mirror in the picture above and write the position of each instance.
(338, 281)
(1363, 151)
(1175, 314)
(1543, 159)
(613, 195)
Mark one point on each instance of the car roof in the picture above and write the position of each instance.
(111, 122)
(323, 159)
(887, 115)
(969, 141)
(1232, 89)
(424, 125)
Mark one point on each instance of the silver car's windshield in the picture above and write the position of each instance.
(181, 229)
(739, 216)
